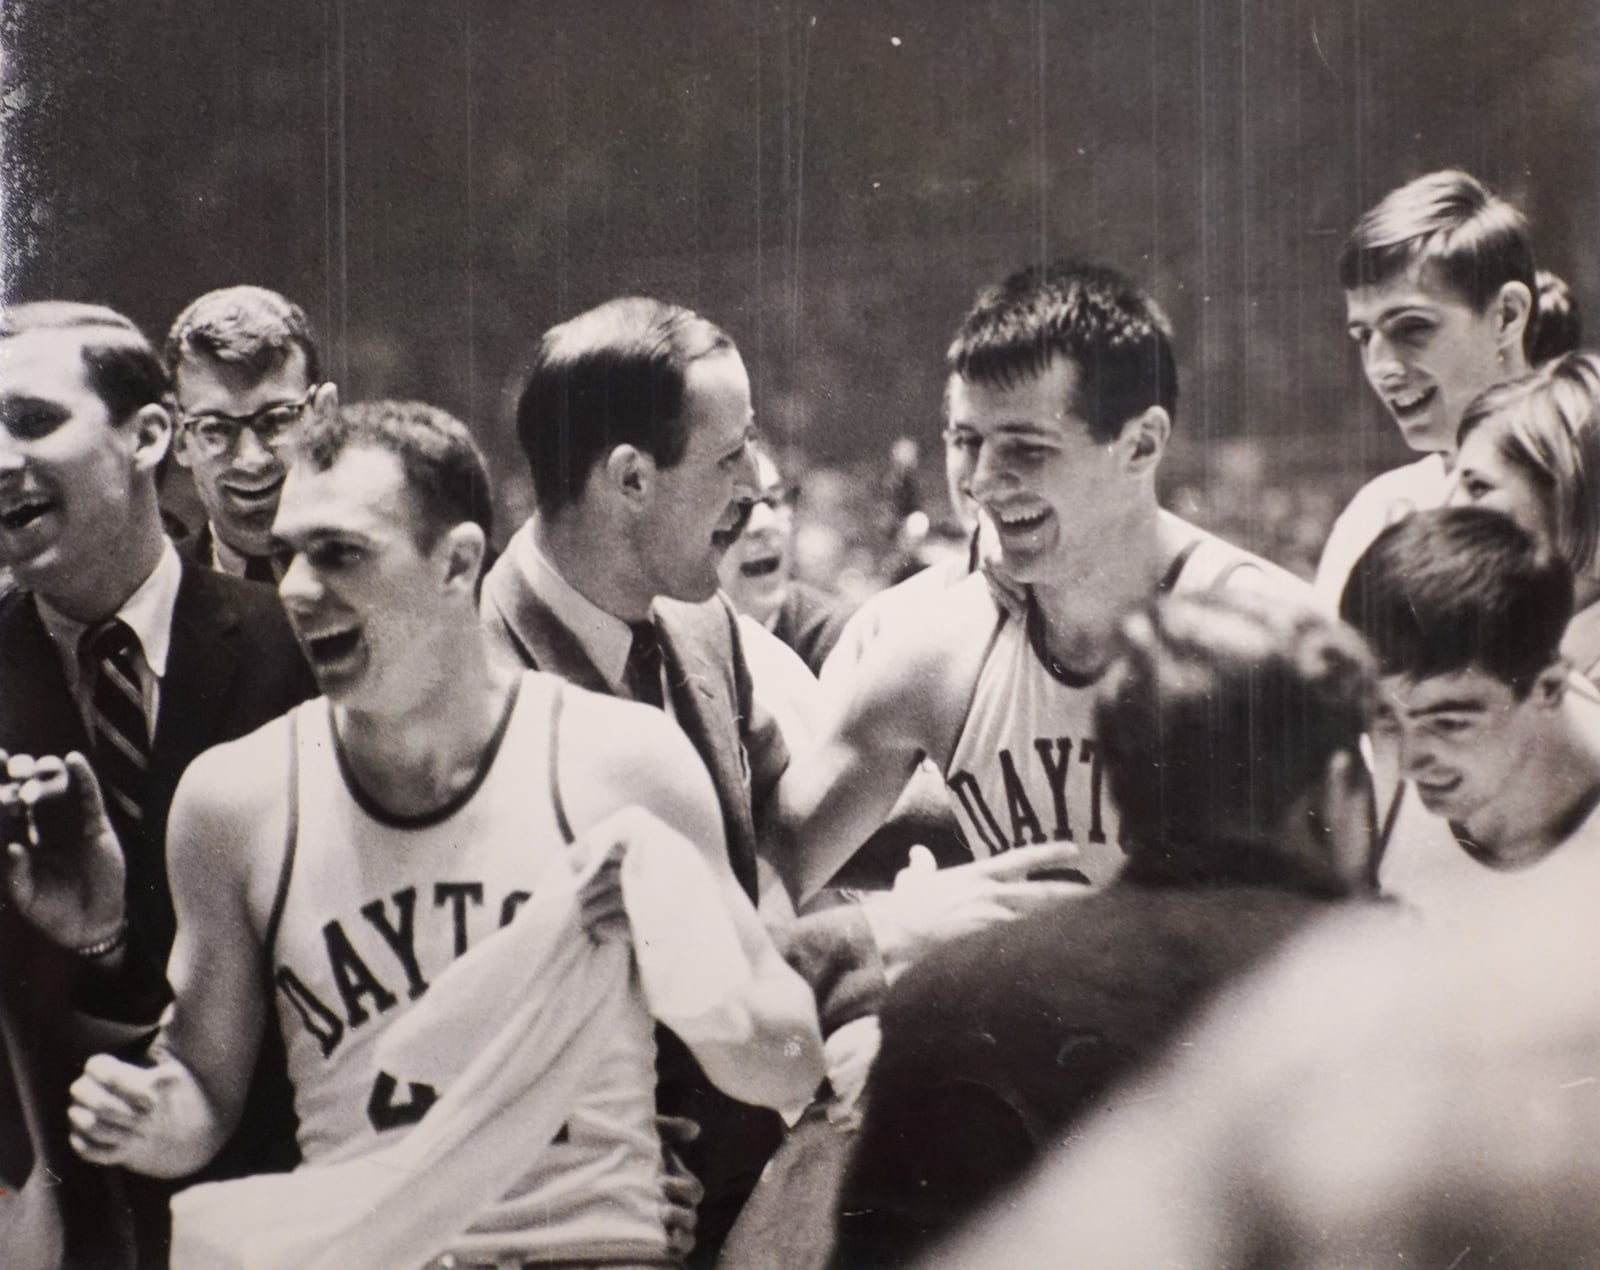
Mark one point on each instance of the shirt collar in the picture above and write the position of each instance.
(604, 637)
(148, 612)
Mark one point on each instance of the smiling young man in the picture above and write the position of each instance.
(1439, 296)
(245, 372)
(1062, 388)
(334, 863)
(1465, 612)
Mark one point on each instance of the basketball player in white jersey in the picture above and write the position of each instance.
(1062, 387)
(336, 861)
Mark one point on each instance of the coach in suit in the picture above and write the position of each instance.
(113, 647)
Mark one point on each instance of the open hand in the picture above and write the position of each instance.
(63, 864)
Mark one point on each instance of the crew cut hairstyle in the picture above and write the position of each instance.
(119, 363)
(245, 328)
(1474, 240)
(1219, 711)
(1552, 435)
(612, 376)
(1117, 338)
(442, 463)
(1460, 588)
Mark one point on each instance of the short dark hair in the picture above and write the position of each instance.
(1475, 240)
(245, 327)
(1552, 434)
(442, 463)
(1560, 319)
(1219, 711)
(119, 363)
(1460, 588)
(1116, 336)
(612, 376)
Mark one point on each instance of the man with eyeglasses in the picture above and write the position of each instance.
(112, 646)
(245, 372)
(758, 574)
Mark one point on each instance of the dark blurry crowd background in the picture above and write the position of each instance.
(829, 181)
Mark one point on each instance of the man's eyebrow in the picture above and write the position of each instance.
(15, 403)
(1450, 705)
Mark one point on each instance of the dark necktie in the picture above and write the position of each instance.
(259, 569)
(120, 738)
(643, 670)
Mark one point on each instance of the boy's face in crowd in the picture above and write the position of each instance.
(1484, 477)
(238, 471)
(1426, 352)
(1464, 739)
(755, 572)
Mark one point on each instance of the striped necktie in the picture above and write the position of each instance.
(120, 736)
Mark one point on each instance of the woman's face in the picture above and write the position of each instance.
(1485, 477)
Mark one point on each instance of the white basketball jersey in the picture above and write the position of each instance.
(1026, 768)
(377, 907)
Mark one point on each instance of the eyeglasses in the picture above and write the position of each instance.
(218, 434)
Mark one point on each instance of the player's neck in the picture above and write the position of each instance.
(595, 563)
(1083, 602)
(417, 756)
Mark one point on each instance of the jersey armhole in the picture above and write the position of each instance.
(562, 823)
(269, 941)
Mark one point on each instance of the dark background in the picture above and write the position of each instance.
(436, 183)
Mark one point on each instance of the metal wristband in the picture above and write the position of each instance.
(105, 946)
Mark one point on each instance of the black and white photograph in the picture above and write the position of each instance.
(799, 634)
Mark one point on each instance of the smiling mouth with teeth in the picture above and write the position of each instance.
(1030, 520)
(1412, 403)
(760, 568)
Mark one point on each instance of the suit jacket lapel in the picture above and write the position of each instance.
(201, 663)
(540, 638)
(37, 712)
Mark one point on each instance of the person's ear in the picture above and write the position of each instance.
(1144, 439)
(1550, 688)
(1513, 309)
(629, 473)
(151, 433)
(325, 401)
(465, 546)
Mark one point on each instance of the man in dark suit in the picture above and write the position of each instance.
(636, 421)
(245, 371)
(113, 647)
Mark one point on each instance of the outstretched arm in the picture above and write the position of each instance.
(617, 756)
(169, 1119)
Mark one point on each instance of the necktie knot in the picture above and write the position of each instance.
(110, 640)
(259, 569)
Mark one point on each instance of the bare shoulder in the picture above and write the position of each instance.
(917, 676)
(230, 813)
(615, 753)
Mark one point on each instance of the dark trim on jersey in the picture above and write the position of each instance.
(291, 842)
(562, 823)
(438, 815)
(1035, 623)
